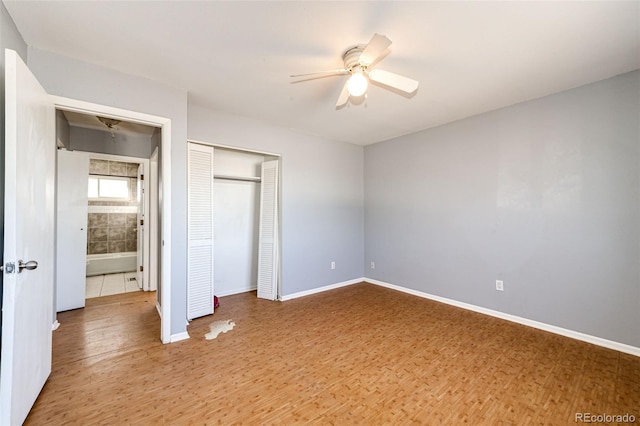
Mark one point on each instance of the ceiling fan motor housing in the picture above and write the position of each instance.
(351, 57)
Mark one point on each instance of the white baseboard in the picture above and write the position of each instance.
(320, 289)
(55, 325)
(180, 336)
(621, 347)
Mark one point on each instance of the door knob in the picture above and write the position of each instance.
(29, 266)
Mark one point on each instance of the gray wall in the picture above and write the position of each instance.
(544, 195)
(92, 140)
(10, 38)
(62, 130)
(80, 80)
(322, 196)
(156, 141)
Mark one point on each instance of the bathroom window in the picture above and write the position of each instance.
(108, 188)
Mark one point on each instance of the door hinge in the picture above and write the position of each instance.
(141, 222)
(141, 268)
(9, 267)
(141, 177)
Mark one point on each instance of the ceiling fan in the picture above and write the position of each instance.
(111, 123)
(358, 62)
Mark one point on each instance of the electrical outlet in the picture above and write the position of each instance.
(373, 265)
(499, 285)
(333, 265)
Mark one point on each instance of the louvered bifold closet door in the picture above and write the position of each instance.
(268, 237)
(200, 231)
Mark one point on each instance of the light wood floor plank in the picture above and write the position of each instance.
(356, 355)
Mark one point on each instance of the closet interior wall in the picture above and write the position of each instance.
(236, 211)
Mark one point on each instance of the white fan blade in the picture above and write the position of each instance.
(376, 47)
(396, 81)
(330, 72)
(344, 96)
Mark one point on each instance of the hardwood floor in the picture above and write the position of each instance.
(356, 355)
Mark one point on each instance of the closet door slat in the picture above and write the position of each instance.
(200, 231)
(268, 236)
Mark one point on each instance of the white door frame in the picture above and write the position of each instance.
(90, 108)
(152, 229)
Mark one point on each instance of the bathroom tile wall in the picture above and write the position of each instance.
(115, 230)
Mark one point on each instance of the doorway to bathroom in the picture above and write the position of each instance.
(117, 245)
(103, 214)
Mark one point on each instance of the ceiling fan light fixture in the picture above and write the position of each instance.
(109, 122)
(357, 84)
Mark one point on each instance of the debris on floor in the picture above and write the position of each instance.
(218, 327)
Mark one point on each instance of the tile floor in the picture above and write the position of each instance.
(106, 285)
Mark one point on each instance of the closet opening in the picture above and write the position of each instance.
(233, 229)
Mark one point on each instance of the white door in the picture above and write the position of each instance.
(71, 228)
(268, 236)
(141, 228)
(27, 309)
(200, 231)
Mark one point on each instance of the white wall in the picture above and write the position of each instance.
(321, 192)
(544, 195)
(237, 163)
(236, 210)
(66, 77)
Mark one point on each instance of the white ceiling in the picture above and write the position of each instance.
(470, 57)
